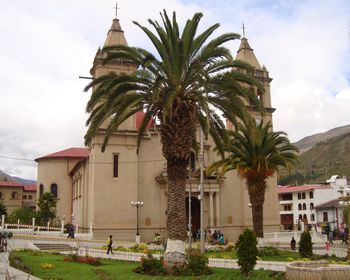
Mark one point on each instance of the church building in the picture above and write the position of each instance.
(97, 188)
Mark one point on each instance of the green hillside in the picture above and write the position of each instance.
(327, 158)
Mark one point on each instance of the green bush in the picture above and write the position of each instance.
(196, 264)
(268, 251)
(247, 251)
(151, 266)
(305, 245)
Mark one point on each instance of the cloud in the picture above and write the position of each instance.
(47, 45)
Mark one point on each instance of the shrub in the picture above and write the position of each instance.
(196, 264)
(305, 245)
(151, 266)
(268, 251)
(247, 251)
(81, 259)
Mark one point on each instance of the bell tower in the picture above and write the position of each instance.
(115, 37)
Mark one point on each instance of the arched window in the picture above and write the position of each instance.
(312, 217)
(300, 217)
(24, 196)
(54, 190)
(303, 195)
(41, 189)
(312, 206)
(311, 195)
(299, 195)
(299, 206)
(304, 206)
(14, 195)
(304, 217)
(30, 196)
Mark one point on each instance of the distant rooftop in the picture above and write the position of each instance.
(289, 189)
(74, 153)
(26, 187)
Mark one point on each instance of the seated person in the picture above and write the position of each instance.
(157, 238)
(222, 239)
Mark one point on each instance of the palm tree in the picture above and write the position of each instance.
(182, 89)
(256, 152)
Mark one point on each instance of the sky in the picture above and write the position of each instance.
(46, 45)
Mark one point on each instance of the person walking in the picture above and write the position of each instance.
(109, 245)
(292, 244)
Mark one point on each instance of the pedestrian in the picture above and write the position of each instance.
(327, 248)
(109, 245)
(292, 244)
(330, 237)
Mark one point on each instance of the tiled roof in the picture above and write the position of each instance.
(31, 188)
(329, 204)
(10, 184)
(289, 189)
(68, 153)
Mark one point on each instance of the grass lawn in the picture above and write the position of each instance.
(110, 270)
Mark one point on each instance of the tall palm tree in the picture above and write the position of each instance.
(256, 152)
(184, 88)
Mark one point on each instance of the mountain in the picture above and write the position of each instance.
(310, 141)
(6, 177)
(318, 162)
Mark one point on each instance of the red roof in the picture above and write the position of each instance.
(10, 184)
(139, 118)
(68, 153)
(31, 188)
(329, 204)
(289, 189)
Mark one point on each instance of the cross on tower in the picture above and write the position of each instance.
(116, 9)
(243, 27)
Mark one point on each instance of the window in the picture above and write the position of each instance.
(304, 206)
(300, 217)
(325, 216)
(312, 217)
(312, 206)
(299, 206)
(311, 195)
(24, 196)
(115, 165)
(193, 161)
(299, 195)
(41, 189)
(303, 195)
(1, 195)
(305, 218)
(53, 190)
(287, 207)
(30, 196)
(14, 195)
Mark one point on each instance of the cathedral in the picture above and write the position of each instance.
(99, 189)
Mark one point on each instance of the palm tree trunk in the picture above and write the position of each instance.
(176, 222)
(258, 220)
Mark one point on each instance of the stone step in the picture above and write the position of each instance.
(53, 246)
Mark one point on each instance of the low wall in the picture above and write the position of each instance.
(319, 270)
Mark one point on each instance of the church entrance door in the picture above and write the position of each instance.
(195, 213)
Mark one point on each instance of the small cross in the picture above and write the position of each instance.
(243, 27)
(116, 9)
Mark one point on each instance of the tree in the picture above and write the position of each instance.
(47, 204)
(305, 244)
(256, 152)
(192, 78)
(23, 214)
(247, 251)
(3, 210)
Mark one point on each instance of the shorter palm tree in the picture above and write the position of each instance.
(256, 152)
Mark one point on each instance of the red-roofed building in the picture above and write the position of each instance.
(297, 204)
(15, 195)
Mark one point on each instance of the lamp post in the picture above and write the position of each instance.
(345, 201)
(137, 204)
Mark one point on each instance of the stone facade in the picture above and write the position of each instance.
(99, 187)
